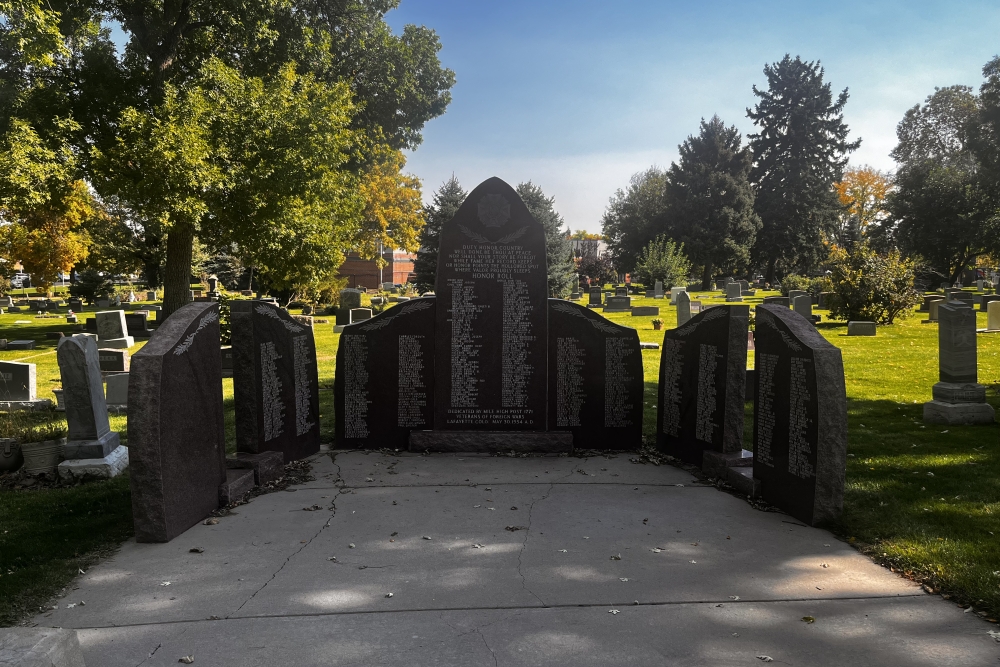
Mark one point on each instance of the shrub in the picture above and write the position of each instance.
(662, 260)
(812, 285)
(871, 286)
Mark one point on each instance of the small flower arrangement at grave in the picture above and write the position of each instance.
(657, 323)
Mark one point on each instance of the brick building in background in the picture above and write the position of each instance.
(365, 273)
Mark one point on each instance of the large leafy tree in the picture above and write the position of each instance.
(942, 207)
(634, 216)
(445, 204)
(57, 60)
(863, 193)
(799, 152)
(558, 248)
(710, 200)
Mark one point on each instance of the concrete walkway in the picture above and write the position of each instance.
(537, 561)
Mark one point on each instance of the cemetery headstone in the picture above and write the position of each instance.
(683, 308)
(925, 306)
(645, 311)
(384, 385)
(733, 292)
(702, 384)
(957, 398)
(979, 285)
(349, 300)
(792, 293)
(932, 311)
(137, 325)
(177, 443)
(778, 301)
(744, 287)
(116, 394)
(595, 379)
(800, 417)
(112, 331)
(618, 304)
(18, 388)
(674, 291)
(360, 314)
(658, 289)
(595, 297)
(90, 435)
(824, 300)
(226, 355)
(114, 360)
(993, 316)
(275, 381)
(490, 331)
(6, 302)
(621, 291)
(21, 345)
(986, 300)
(150, 296)
(861, 329)
(802, 305)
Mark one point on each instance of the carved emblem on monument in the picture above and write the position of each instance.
(494, 210)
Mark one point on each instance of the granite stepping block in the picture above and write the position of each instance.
(266, 466)
(239, 482)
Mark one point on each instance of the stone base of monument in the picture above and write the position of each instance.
(649, 346)
(118, 343)
(549, 442)
(939, 412)
(79, 470)
(594, 305)
(92, 449)
(40, 647)
(238, 482)
(618, 310)
(26, 406)
(742, 480)
(337, 328)
(733, 299)
(715, 464)
(266, 466)
(645, 311)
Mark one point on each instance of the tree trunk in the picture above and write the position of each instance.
(769, 275)
(706, 276)
(177, 276)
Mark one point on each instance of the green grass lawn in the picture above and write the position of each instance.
(922, 499)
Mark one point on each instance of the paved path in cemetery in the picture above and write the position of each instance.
(702, 579)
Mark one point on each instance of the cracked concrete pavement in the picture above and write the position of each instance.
(530, 561)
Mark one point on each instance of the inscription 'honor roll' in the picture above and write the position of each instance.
(490, 348)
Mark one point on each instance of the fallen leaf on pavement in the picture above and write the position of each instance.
(388, 595)
(622, 578)
(71, 605)
(164, 583)
(765, 658)
(994, 634)
(196, 550)
(618, 557)
(187, 659)
(311, 509)
(427, 538)
(211, 522)
(351, 545)
(734, 597)
(562, 551)
(808, 619)
(613, 611)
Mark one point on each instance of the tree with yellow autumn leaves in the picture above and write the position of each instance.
(863, 193)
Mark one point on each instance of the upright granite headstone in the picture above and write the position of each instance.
(621, 291)
(490, 330)
(683, 308)
(384, 386)
(802, 304)
(792, 293)
(18, 387)
(734, 292)
(674, 291)
(958, 398)
(800, 417)
(349, 299)
(993, 316)
(595, 379)
(177, 444)
(658, 289)
(112, 331)
(275, 381)
(703, 383)
(90, 435)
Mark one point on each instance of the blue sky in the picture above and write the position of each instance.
(578, 96)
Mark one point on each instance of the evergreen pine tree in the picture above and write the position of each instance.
(710, 200)
(799, 153)
(558, 248)
(447, 200)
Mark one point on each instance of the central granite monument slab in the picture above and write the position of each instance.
(275, 381)
(490, 329)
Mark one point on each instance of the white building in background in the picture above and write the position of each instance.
(589, 247)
